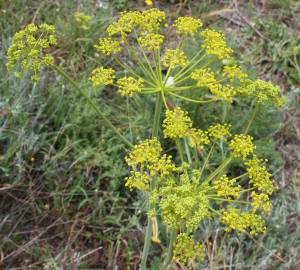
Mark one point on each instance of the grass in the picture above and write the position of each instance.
(63, 203)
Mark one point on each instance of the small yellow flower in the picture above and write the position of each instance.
(204, 77)
(234, 72)
(108, 46)
(151, 20)
(259, 176)
(186, 249)
(198, 138)
(241, 221)
(151, 41)
(125, 25)
(225, 187)
(175, 57)
(177, 124)
(129, 85)
(263, 92)
(149, 2)
(27, 52)
(187, 25)
(219, 131)
(241, 145)
(224, 92)
(185, 203)
(148, 151)
(137, 180)
(102, 76)
(261, 201)
(214, 43)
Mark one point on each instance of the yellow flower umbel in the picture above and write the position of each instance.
(108, 46)
(102, 76)
(214, 43)
(226, 187)
(137, 180)
(261, 201)
(234, 72)
(175, 57)
(151, 41)
(204, 77)
(187, 25)
(241, 146)
(150, 20)
(186, 249)
(263, 92)
(226, 92)
(83, 20)
(185, 204)
(198, 138)
(259, 176)
(125, 25)
(27, 52)
(219, 131)
(177, 124)
(129, 85)
(147, 161)
(241, 221)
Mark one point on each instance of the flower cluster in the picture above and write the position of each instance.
(177, 124)
(234, 72)
(241, 221)
(259, 176)
(27, 52)
(187, 25)
(226, 187)
(261, 201)
(147, 21)
(219, 131)
(147, 161)
(214, 43)
(204, 77)
(102, 76)
(184, 204)
(175, 57)
(108, 46)
(151, 41)
(226, 92)
(263, 92)
(242, 145)
(129, 85)
(186, 249)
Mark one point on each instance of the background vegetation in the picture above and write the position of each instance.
(62, 200)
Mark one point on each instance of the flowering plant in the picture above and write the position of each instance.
(186, 190)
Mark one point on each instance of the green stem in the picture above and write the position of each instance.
(157, 115)
(147, 243)
(91, 103)
(169, 257)
(252, 116)
(192, 100)
(227, 200)
(179, 149)
(218, 170)
(156, 122)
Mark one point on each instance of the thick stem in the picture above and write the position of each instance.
(169, 257)
(91, 103)
(156, 122)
